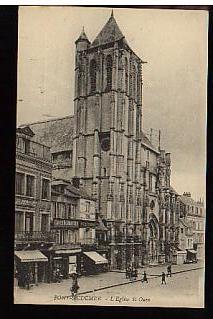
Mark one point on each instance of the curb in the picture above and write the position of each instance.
(131, 282)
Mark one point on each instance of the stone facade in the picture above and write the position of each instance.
(129, 178)
(32, 205)
(115, 161)
(192, 225)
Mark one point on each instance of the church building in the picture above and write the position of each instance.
(104, 146)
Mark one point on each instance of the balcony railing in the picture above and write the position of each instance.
(34, 236)
(125, 239)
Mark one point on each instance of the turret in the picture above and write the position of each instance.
(82, 43)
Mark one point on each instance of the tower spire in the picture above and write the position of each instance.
(112, 15)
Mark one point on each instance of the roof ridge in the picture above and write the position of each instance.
(112, 29)
(45, 121)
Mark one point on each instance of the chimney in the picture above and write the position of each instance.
(187, 194)
(76, 182)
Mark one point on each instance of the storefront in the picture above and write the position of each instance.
(94, 263)
(31, 267)
(191, 256)
(66, 261)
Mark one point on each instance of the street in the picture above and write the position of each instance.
(184, 289)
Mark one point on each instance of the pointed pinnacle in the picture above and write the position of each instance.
(112, 13)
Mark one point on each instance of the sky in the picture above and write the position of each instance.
(172, 42)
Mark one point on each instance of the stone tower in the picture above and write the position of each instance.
(108, 130)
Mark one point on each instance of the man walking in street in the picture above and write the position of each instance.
(75, 286)
(144, 279)
(169, 271)
(163, 278)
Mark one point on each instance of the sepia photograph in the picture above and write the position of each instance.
(110, 176)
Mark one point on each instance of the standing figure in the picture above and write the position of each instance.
(163, 278)
(169, 271)
(144, 279)
(127, 272)
(27, 280)
(135, 273)
(75, 286)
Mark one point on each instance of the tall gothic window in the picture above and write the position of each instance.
(126, 74)
(93, 70)
(109, 72)
(133, 81)
(79, 83)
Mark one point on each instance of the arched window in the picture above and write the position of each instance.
(79, 83)
(126, 74)
(109, 72)
(133, 81)
(93, 75)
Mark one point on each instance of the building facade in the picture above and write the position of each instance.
(32, 207)
(116, 163)
(104, 146)
(192, 225)
(73, 223)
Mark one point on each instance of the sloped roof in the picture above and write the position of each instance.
(173, 190)
(56, 133)
(63, 173)
(187, 200)
(79, 191)
(82, 37)
(25, 130)
(147, 142)
(109, 33)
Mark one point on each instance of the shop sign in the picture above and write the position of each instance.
(25, 202)
(84, 224)
(65, 222)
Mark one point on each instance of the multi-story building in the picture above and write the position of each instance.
(104, 145)
(192, 226)
(73, 223)
(32, 207)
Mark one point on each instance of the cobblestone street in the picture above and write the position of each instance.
(112, 288)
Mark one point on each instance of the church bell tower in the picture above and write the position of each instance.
(108, 126)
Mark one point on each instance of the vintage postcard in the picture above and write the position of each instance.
(110, 157)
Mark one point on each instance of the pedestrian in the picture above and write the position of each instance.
(169, 271)
(127, 272)
(163, 278)
(75, 286)
(27, 280)
(144, 279)
(136, 273)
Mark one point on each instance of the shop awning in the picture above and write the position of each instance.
(192, 251)
(97, 258)
(27, 256)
